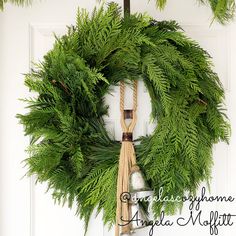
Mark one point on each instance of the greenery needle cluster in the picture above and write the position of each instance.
(223, 10)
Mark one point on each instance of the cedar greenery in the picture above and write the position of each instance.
(223, 10)
(17, 2)
(71, 149)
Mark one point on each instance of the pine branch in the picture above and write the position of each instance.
(16, 2)
(223, 10)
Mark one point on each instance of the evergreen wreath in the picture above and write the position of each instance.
(70, 147)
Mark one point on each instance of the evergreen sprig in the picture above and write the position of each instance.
(70, 147)
(223, 10)
(16, 2)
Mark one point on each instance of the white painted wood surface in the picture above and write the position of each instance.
(25, 35)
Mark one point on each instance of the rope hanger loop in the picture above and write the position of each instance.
(128, 114)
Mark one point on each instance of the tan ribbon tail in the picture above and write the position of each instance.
(126, 163)
(122, 209)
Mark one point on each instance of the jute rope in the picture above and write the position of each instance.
(127, 160)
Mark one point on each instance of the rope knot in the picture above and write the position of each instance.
(127, 136)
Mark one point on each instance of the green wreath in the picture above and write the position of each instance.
(70, 147)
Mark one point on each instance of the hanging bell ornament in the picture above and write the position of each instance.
(138, 187)
(138, 216)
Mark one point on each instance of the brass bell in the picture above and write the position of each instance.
(137, 184)
(138, 216)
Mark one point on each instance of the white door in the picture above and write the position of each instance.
(26, 34)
